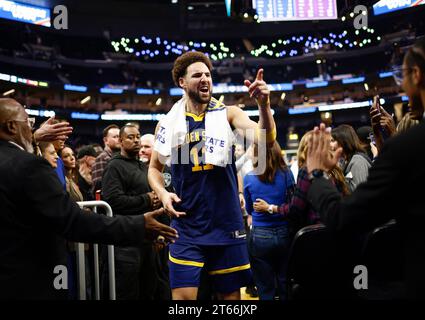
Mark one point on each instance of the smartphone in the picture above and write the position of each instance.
(378, 104)
(378, 107)
(372, 138)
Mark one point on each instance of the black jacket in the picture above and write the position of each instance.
(36, 214)
(394, 190)
(125, 186)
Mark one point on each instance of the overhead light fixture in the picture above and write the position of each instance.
(174, 1)
(8, 92)
(158, 102)
(366, 86)
(283, 96)
(85, 100)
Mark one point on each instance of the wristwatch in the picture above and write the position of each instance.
(270, 209)
(317, 173)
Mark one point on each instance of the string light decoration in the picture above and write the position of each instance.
(151, 48)
(299, 45)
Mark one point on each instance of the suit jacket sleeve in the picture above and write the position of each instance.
(53, 207)
(370, 205)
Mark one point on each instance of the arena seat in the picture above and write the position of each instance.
(383, 256)
(317, 267)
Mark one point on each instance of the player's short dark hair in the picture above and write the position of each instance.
(185, 60)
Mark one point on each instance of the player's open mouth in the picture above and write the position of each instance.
(204, 89)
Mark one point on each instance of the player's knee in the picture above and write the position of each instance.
(235, 295)
(184, 293)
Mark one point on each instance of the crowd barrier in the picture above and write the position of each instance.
(81, 268)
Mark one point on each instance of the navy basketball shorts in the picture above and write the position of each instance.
(227, 265)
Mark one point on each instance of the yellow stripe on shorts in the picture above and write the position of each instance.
(230, 270)
(185, 262)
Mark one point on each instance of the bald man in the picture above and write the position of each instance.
(146, 144)
(36, 214)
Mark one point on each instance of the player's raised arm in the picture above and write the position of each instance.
(240, 120)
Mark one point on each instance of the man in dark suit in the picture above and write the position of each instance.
(393, 189)
(37, 215)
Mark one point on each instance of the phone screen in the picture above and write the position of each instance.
(378, 104)
(372, 138)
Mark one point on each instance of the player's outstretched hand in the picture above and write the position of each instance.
(167, 200)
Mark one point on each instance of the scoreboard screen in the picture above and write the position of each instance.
(292, 10)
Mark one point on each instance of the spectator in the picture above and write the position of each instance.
(392, 177)
(111, 135)
(382, 122)
(86, 157)
(126, 189)
(297, 209)
(354, 161)
(48, 152)
(364, 133)
(35, 213)
(146, 145)
(406, 123)
(269, 239)
(71, 173)
(58, 145)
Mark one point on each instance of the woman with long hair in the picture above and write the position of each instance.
(355, 163)
(297, 210)
(71, 172)
(269, 240)
(336, 173)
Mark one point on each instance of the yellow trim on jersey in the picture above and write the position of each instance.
(230, 270)
(185, 262)
(196, 117)
(215, 104)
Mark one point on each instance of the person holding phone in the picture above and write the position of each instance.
(382, 122)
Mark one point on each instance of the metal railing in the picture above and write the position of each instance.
(81, 267)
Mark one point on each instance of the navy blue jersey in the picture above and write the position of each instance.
(209, 193)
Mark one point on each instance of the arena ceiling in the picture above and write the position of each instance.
(184, 19)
